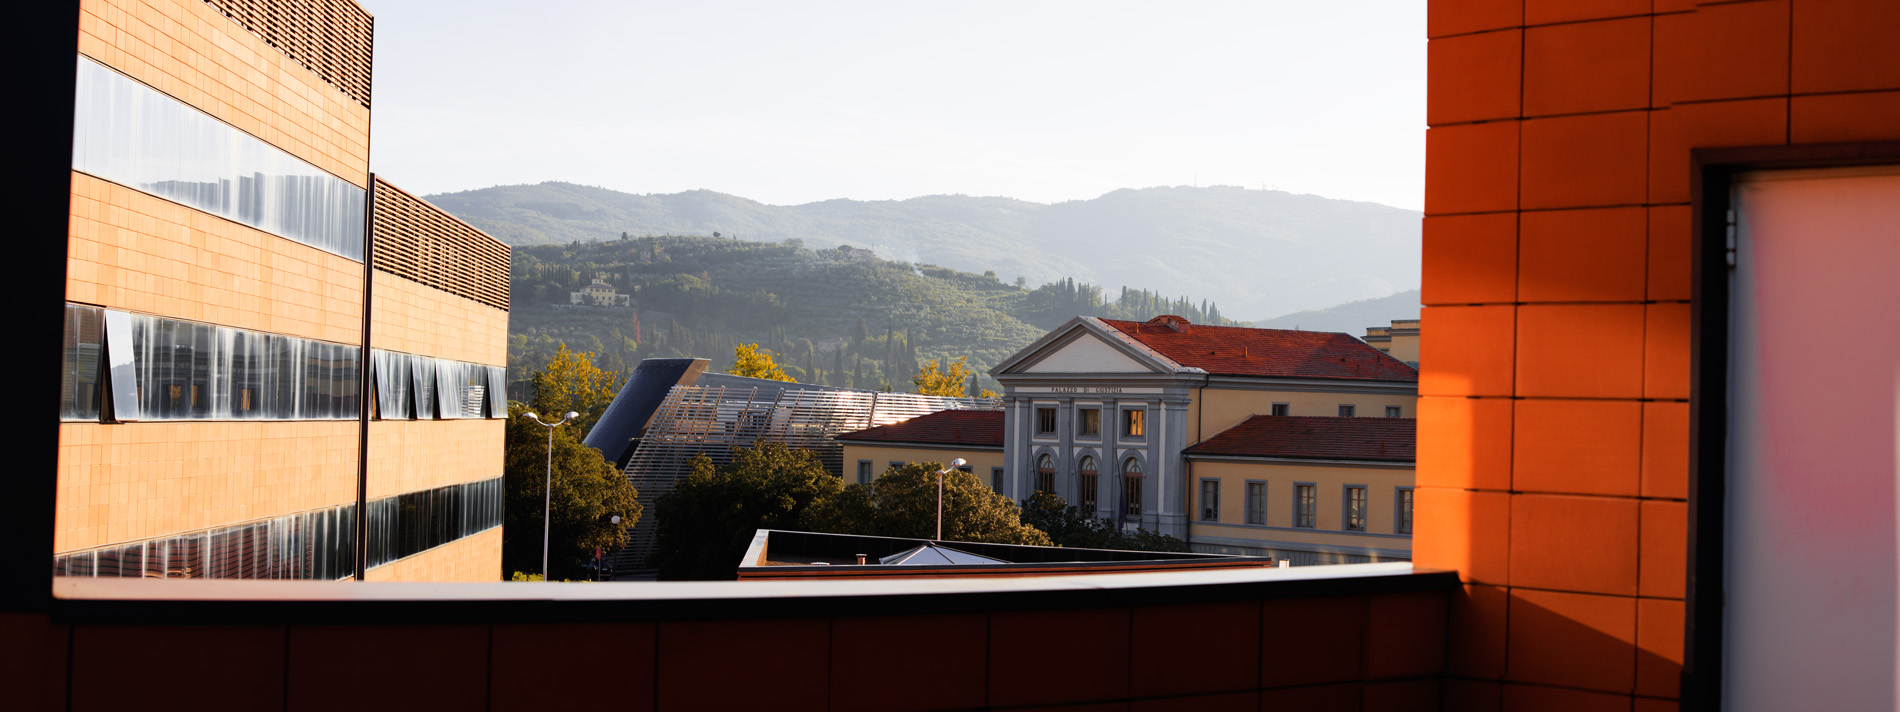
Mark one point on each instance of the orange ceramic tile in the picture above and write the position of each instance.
(1331, 632)
(1579, 350)
(1464, 443)
(1586, 66)
(33, 661)
(1466, 351)
(1454, 17)
(1465, 531)
(1555, 699)
(1577, 447)
(1570, 543)
(526, 656)
(1479, 622)
(695, 664)
(1405, 635)
(1666, 450)
(1401, 696)
(1470, 259)
(1572, 639)
(874, 661)
(1669, 246)
(1229, 702)
(1472, 696)
(1228, 634)
(403, 666)
(1473, 77)
(1665, 553)
(1540, 12)
(1319, 698)
(1658, 647)
(1666, 350)
(1582, 161)
(1592, 255)
(1471, 168)
(1089, 661)
(1830, 118)
(1845, 45)
(1727, 51)
(1673, 131)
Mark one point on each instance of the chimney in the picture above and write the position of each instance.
(860, 559)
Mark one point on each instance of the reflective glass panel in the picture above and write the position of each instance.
(81, 354)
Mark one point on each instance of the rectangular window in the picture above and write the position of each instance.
(190, 371)
(1045, 421)
(1392, 411)
(1402, 517)
(1305, 505)
(1046, 481)
(1256, 503)
(1131, 494)
(967, 468)
(996, 478)
(83, 353)
(1087, 482)
(896, 465)
(864, 472)
(1134, 423)
(1355, 508)
(1346, 411)
(1210, 500)
(1088, 422)
(1279, 409)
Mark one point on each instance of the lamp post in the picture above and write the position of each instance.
(954, 464)
(547, 493)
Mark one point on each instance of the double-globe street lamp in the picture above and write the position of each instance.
(547, 494)
(956, 464)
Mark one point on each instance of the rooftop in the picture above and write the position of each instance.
(976, 428)
(1315, 438)
(1278, 353)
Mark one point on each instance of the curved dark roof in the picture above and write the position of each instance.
(974, 428)
(1315, 438)
(626, 418)
(1246, 351)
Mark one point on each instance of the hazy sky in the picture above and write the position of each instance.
(794, 102)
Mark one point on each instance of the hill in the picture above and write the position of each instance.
(1351, 318)
(1257, 251)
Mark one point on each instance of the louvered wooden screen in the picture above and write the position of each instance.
(419, 242)
(329, 37)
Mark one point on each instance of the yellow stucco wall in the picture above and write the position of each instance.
(470, 559)
(1404, 347)
(1217, 409)
(1381, 491)
(881, 456)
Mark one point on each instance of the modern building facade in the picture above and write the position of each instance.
(1102, 411)
(243, 396)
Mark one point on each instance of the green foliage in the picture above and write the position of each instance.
(750, 361)
(1070, 527)
(587, 493)
(903, 503)
(709, 517)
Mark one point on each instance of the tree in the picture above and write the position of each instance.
(587, 493)
(949, 380)
(1070, 527)
(903, 503)
(708, 519)
(753, 362)
(571, 382)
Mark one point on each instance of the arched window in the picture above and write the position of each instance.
(1045, 473)
(1131, 487)
(1087, 484)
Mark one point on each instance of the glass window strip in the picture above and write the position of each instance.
(134, 135)
(192, 371)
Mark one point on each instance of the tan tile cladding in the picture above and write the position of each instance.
(415, 455)
(415, 319)
(471, 559)
(330, 37)
(189, 50)
(133, 251)
(127, 482)
(419, 242)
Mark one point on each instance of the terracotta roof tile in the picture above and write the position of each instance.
(1244, 351)
(1314, 438)
(974, 428)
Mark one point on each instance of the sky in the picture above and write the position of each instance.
(795, 102)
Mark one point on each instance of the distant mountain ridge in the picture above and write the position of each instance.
(1255, 251)
(1351, 318)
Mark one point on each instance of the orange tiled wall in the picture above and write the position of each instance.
(471, 559)
(129, 250)
(189, 50)
(1553, 427)
(412, 455)
(127, 482)
(417, 319)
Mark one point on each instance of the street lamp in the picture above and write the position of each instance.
(547, 493)
(954, 464)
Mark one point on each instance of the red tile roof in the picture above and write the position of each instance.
(1243, 351)
(974, 428)
(1310, 438)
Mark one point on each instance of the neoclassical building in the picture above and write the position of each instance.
(1102, 411)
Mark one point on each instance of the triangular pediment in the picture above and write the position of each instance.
(1087, 353)
(1085, 345)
